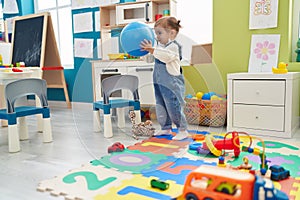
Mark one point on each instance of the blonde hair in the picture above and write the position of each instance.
(168, 22)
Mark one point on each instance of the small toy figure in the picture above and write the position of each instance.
(282, 68)
(141, 129)
(245, 164)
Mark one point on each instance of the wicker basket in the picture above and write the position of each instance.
(205, 112)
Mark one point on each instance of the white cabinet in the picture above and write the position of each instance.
(146, 90)
(118, 15)
(102, 69)
(263, 103)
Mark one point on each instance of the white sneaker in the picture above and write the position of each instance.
(181, 135)
(163, 132)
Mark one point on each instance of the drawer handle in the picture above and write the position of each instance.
(144, 69)
(257, 92)
(147, 12)
(256, 117)
(110, 70)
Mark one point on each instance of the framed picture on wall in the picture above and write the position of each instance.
(263, 52)
(263, 14)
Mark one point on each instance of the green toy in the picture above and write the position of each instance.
(298, 51)
(159, 184)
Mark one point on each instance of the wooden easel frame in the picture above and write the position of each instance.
(50, 63)
(5, 31)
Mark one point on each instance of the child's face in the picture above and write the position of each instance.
(162, 35)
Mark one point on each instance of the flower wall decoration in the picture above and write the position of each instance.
(263, 49)
(264, 52)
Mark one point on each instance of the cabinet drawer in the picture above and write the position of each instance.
(265, 92)
(258, 117)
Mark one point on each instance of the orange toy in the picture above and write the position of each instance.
(211, 182)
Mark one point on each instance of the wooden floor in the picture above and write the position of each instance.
(74, 144)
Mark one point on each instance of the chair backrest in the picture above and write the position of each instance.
(119, 82)
(23, 87)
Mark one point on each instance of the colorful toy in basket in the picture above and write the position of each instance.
(199, 95)
(207, 96)
(206, 109)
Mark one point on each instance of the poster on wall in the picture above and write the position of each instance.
(83, 48)
(263, 14)
(83, 22)
(263, 52)
(78, 4)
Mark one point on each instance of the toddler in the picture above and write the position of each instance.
(168, 80)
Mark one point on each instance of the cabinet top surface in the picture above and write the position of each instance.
(245, 75)
(112, 6)
(119, 63)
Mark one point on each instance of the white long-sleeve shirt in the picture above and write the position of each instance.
(169, 54)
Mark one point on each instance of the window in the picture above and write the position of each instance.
(61, 15)
(295, 28)
(198, 14)
(194, 14)
(1, 20)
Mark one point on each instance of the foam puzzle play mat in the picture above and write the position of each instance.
(206, 165)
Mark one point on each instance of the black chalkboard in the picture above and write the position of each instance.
(28, 40)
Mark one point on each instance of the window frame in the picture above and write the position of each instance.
(58, 32)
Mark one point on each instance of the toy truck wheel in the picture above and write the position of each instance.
(191, 196)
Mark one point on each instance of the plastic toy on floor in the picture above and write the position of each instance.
(256, 151)
(141, 129)
(279, 173)
(116, 147)
(211, 182)
(245, 165)
(282, 68)
(216, 146)
(159, 184)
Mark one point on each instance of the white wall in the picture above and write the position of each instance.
(196, 19)
(196, 22)
(5, 52)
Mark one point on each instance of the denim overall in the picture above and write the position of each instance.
(169, 93)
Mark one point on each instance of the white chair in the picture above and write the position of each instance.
(18, 89)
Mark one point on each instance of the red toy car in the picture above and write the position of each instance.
(116, 147)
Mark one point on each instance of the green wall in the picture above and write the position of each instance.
(231, 44)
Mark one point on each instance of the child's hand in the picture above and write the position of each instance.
(146, 45)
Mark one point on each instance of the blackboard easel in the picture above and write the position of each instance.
(33, 42)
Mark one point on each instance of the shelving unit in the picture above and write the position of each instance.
(108, 18)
